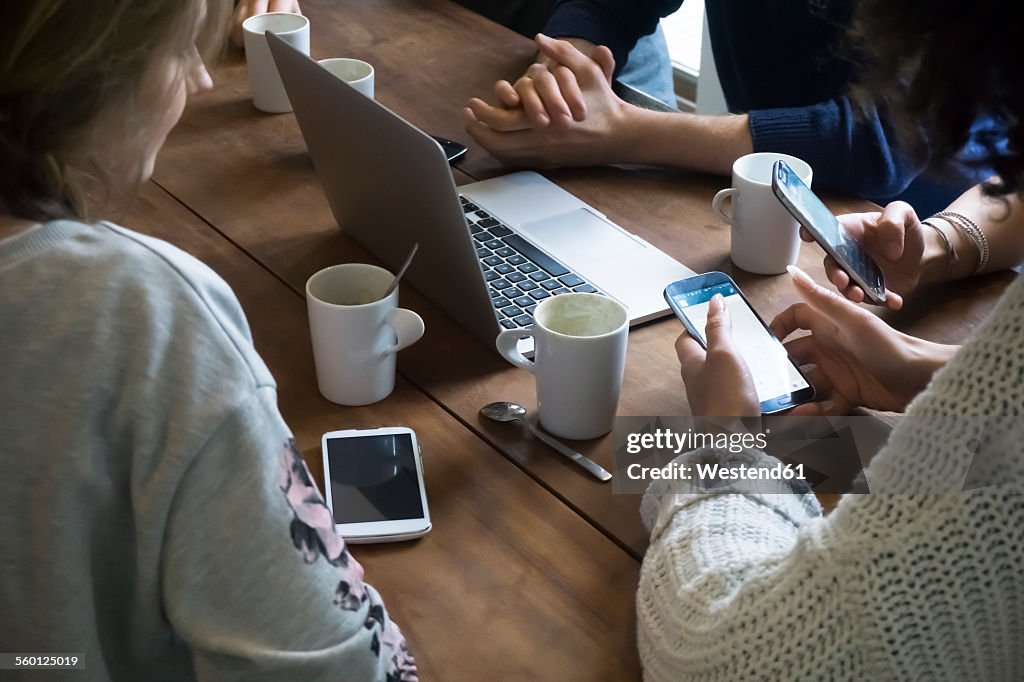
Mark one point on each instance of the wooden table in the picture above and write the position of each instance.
(531, 568)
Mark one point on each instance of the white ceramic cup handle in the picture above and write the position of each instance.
(408, 328)
(717, 204)
(508, 342)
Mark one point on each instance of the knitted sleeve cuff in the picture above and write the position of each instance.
(798, 131)
(791, 499)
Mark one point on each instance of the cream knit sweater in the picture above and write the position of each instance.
(890, 586)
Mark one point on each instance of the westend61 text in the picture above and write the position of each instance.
(667, 439)
(705, 471)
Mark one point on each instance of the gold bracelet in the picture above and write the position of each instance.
(951, 255)
(971, 229)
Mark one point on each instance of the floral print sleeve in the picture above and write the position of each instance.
(312, 532)
(257, 582)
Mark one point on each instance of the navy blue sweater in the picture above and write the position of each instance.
(781, 62)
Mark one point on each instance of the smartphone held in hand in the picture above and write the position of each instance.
(778, 382)
(830, 234)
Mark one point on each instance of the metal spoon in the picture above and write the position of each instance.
(511, 412)
(401, 270)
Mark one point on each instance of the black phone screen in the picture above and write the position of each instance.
(373, 478)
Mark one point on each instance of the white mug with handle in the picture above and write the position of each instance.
(356, 333)
(765, 237)
(579, 357)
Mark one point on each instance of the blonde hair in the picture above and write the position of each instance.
(67, 67)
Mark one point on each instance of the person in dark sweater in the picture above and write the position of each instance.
(644, 64)
(785, 75)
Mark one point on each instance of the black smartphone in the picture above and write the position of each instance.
(810, 212)
(779, 383)
(453, 150)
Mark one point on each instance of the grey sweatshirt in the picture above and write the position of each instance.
(155, 516)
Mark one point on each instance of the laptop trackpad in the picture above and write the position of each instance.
(601, 252)
(579, 237)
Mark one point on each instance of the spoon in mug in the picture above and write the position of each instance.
(401, 270)
(510, 412)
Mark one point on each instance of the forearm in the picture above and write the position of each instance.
(1000, 219)
(314, 613)
(705, 143)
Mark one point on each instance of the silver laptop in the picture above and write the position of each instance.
(487, 257)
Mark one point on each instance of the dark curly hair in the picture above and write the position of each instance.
(938, 65)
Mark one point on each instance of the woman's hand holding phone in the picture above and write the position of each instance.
(718, 381)
(895, 239)
(859, 360)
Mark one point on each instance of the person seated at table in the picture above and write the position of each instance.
(782, 73)
(250, 8)
(644, 64)
(921, 578)
(156, 517)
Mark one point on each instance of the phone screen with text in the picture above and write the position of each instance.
(773, 373)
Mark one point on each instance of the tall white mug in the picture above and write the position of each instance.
(765, 237)
(355, 72)
(579, 356)
(356, 332)
(268, 93)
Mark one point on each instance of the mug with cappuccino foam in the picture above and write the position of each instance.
(579, 357)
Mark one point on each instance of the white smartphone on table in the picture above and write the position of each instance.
(374, 484)
(779, 383)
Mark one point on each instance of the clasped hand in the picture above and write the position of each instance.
(561, 112)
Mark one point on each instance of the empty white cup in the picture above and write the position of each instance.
(268, 93)
(355, 72)
(356, 333)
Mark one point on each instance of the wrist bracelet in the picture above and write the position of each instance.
(971, 229)
(951, 255)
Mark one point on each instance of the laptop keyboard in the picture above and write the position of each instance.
(518, 274)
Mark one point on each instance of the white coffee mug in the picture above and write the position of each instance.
(356, 333)
(268, 93)
(579, 355)
(765, 237)
(355, 72)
